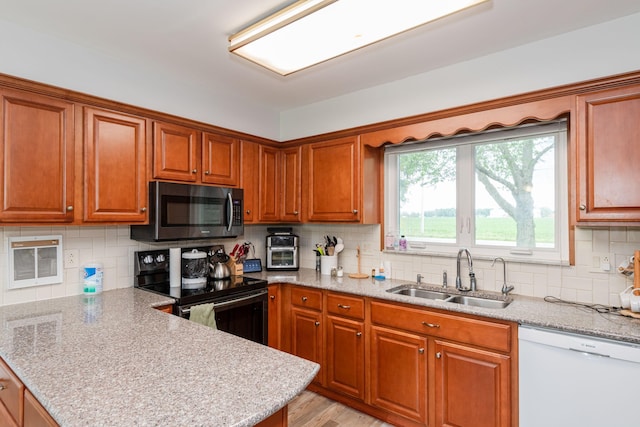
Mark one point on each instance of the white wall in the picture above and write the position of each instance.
(592, 52)
(35, 56)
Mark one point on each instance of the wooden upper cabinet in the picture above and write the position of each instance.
(269, 180)
(333, 180)
(37, 158)
(249, 153)
(279, 175)
(608, 156)
(175, 152)
(220, 160)
(290, 176)
(114, 167)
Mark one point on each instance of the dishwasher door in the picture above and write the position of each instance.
(576, 380)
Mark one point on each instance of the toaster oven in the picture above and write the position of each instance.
(282, 252)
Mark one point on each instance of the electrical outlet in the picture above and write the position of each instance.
(71, 258)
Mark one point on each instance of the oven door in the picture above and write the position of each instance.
(244, 315)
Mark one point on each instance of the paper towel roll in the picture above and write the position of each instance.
(175, 267)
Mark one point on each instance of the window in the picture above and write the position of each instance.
(498, 193)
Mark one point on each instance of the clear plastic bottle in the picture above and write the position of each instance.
(403, 243)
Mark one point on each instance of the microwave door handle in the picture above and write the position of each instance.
(229, 212)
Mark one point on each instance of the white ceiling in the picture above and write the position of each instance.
(188, 38)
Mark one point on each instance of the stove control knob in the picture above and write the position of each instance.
(160, 258)
(147, 259)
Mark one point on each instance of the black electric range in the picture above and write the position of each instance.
(152, 274)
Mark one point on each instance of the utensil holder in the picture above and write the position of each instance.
(327, 263)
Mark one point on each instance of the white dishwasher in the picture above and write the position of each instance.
(576, 380)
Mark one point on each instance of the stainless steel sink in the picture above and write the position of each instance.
(478, 301)
(416, 291)
(419, 292)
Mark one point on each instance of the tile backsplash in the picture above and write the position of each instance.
(584, 282)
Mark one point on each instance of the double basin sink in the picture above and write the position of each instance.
(475, 301)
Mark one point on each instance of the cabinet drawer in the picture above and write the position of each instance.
(343, 305)
(306, 297)
(11, 391)
(483, 333)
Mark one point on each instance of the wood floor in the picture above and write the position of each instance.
(312, 410)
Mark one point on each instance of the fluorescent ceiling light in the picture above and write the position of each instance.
(312, 31)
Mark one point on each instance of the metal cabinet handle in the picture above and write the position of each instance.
(143, 209)
(355, 211)
(346, 307)
(295, 212)
(69, 208)
(194, 171)
(430, 325)
(438, 355)
(421, 350)
(206, 172)
(273, 297)
(304, 299)
(317, 323)
(358, 334)
(248, 211)
(582, 207)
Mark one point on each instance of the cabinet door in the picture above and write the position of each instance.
(345, 356)
(268, 197)
(291, 170)
(399, 372)
(608, 156)
(274, 316)
(466, 378)
(37, 158)
(306, 337)
(114, 167)
(249, 184)
(175, 150)
(34, 413)
(220, 160)
(334, 180)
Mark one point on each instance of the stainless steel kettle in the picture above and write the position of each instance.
(219, 270)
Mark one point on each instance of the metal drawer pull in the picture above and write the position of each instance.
(438, 355)
(273, 297)
(346, 307)
(317, 323)
(431, 325)
(304, 299)
(358, 334)
(421, 350)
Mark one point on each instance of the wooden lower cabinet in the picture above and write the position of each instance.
(279, 419)
(472, 386)
(273, 332)
(18, 407)
(34, 414)
(345, 356)
(398, 372)
(405, 364)
(306, 337)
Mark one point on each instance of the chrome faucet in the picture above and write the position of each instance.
(472, 276)
(505, 289)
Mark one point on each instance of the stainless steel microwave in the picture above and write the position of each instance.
(190, 212)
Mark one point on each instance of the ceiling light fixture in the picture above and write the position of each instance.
(312, 31)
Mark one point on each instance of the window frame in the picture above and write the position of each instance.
(465, 172)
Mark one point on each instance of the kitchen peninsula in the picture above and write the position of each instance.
(114, 360)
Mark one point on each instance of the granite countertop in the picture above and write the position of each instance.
(523, 310)
(114, 360)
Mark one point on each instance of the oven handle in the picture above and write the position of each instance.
(232, 301)
(229, 211)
